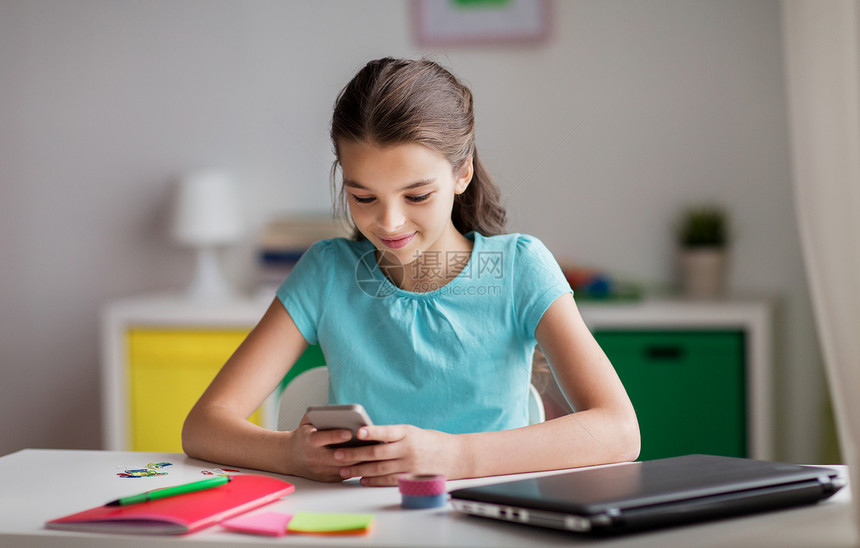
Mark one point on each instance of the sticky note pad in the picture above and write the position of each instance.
(326, 523)
(273, 524)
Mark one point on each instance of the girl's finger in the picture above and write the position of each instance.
(373, 469)
(366, 453)
(387, 433)
(321, 438)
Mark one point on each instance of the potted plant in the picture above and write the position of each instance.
(702, 239)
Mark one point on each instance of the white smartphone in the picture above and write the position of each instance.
(336, 417)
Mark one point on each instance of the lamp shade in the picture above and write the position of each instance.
(207, 210)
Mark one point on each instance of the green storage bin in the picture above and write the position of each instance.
(688, 389)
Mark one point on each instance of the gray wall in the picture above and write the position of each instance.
(597, 137)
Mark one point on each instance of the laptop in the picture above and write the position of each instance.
(643, 495)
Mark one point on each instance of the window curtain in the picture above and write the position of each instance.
(821, 44)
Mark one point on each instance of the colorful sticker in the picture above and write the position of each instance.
(152, 469)
(219, 472)
(140, 473)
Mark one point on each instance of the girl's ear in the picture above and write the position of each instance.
(464, 176)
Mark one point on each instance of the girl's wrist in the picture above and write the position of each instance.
(464, 459)
(284, 454)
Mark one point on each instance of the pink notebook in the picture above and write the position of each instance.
(180, 514)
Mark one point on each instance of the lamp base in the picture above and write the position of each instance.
(209, 284)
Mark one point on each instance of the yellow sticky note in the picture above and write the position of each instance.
(330, 523)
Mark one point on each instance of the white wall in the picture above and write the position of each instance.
(597, 137)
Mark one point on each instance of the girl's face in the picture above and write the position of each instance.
(400, 198)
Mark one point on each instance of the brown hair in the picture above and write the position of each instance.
(396, 101)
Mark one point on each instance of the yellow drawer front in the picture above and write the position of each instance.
(168, 371)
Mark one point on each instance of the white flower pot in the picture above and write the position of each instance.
(702, 272)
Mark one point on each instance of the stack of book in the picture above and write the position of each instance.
(282, 242)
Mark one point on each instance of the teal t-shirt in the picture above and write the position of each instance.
(456, 359)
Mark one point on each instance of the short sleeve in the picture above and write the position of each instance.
(307, 287)
(539, 281)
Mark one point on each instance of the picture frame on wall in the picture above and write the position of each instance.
(462, 22)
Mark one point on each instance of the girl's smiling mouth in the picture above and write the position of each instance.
(397, 242)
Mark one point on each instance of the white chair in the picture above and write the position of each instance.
(537, 412)
(311, 388)
(308, 388)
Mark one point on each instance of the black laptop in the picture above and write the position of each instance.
(643, 495)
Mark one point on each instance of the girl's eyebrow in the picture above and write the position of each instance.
(416, 184)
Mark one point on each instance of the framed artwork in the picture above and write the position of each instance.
(456, 22)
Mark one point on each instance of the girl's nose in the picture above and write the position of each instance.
(390, 218)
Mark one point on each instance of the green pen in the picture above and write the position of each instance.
(171, 491)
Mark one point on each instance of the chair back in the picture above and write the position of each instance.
(308, 388)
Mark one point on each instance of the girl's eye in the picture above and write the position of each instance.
(418, 198)
(362, 199)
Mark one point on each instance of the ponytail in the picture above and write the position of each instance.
(479, 208)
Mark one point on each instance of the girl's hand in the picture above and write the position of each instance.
(310, 455)
(408, 450)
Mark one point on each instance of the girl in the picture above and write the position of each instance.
(428, 316)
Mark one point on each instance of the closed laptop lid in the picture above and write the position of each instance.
(615, 488)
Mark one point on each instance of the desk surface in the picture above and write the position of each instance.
(38, 485)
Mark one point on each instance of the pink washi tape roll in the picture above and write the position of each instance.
(422, 490)
(422, 485)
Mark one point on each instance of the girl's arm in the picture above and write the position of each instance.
(603, 430)
(217, 428)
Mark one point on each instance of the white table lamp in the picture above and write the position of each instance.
(207, 216)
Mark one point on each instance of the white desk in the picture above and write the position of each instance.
(38, 485)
